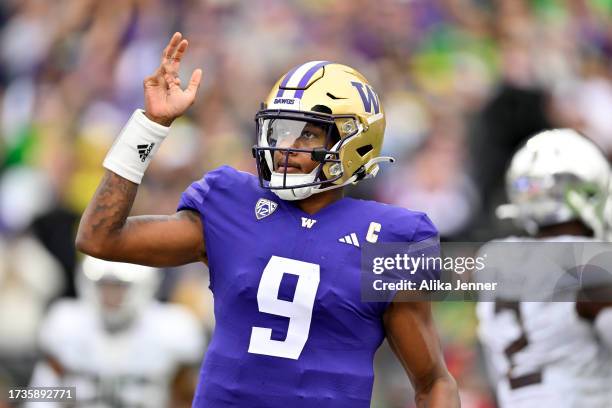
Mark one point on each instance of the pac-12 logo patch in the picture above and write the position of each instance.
(264, 208)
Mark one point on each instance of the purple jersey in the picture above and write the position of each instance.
(291, 329)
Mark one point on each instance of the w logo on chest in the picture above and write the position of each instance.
(264, 208)
(307, 222)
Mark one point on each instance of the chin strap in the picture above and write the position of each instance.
(374, 163)
(361, 174)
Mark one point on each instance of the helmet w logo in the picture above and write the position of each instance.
(264, 208)
(368, 97)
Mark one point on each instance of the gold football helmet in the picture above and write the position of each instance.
(338, 101)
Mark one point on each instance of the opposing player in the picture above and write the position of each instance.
(283, 248)
(116, 344)
(547, 353)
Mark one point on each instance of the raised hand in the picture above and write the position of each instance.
(164, 98)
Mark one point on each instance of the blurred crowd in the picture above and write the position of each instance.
(463, 82)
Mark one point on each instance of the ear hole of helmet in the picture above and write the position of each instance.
(334, 136)
(363, 150)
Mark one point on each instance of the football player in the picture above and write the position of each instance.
(116, 344)
(283, 248)
(547, 353)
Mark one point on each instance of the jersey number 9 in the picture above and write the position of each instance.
(299, 311)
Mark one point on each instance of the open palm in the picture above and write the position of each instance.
(164, 98)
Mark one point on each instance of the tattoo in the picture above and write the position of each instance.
(112, 203)
(106, 231)
(109, 208)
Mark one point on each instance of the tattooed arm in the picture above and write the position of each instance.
(107, 232)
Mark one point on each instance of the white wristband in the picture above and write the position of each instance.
(135, 146)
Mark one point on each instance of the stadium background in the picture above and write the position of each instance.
(464, 82)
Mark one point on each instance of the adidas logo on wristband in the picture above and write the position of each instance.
(138, 134)
(144, 150)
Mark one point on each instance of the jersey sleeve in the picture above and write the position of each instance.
(217, 198)
(426, 244)
(195, 197)
(424, 229)
(414, 235)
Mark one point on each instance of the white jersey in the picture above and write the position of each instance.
(542, 354)
(132, 368)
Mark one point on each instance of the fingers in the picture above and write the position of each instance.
(172, 81)
(167, 74)
(174, 51)
(194, 83)
(180, 50)
(171, 48)
(171, 58)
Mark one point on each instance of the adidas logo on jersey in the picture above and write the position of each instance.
(264, 208)
(307, 222)
(144, 150)
(350, 239)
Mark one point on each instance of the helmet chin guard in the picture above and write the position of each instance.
(293, 194)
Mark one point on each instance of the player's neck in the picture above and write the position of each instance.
(316, 202)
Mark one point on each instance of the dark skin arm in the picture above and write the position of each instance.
(183, 386)
(413, 338)
(105, 230)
